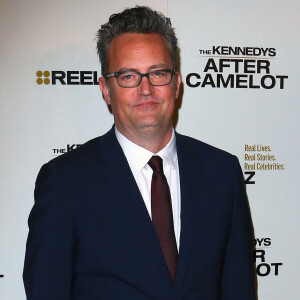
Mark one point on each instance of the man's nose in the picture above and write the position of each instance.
(145, 88)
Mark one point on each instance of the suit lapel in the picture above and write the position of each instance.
(128, 197)
(191, 177)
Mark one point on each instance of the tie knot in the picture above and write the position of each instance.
(156, 164)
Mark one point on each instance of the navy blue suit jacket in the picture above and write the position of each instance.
(91, 237)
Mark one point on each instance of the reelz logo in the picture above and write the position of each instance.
(237, 67)
(264, 268)
(67, 77)
(249, 178)
(58, 151)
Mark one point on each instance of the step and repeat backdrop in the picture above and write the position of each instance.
(240, 93)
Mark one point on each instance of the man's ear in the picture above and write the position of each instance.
(105, 90)
(178, 83)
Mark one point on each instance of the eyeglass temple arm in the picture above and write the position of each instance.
(110, 75)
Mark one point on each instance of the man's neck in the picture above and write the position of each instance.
(149, 138)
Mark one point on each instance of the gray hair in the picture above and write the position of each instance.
(140, 19)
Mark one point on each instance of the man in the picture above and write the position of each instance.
(141, 212)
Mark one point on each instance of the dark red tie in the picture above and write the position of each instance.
(162, 216)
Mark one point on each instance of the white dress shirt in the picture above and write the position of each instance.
(138, 158)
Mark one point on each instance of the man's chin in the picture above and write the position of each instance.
(148, 122)
(152, 126)
(148, 126)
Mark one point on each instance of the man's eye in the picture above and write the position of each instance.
(158, 73)
(127, 76)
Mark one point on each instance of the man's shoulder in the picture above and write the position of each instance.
(196, 147)
(202, 155)
(83, 156)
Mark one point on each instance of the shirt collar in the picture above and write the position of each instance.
(138, 156)
(169, 152)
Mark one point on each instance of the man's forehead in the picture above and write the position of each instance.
(138, 48)
(137, 38)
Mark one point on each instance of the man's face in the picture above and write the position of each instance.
(144, 107)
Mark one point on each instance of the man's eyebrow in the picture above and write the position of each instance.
(158, 66)
(128, 69)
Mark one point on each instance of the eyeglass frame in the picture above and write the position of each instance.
(116, 74)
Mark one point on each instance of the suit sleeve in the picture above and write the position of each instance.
(48, 261)
(238, 271)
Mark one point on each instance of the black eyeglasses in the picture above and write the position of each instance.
(130, 79)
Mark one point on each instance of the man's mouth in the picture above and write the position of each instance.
(146, 104)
